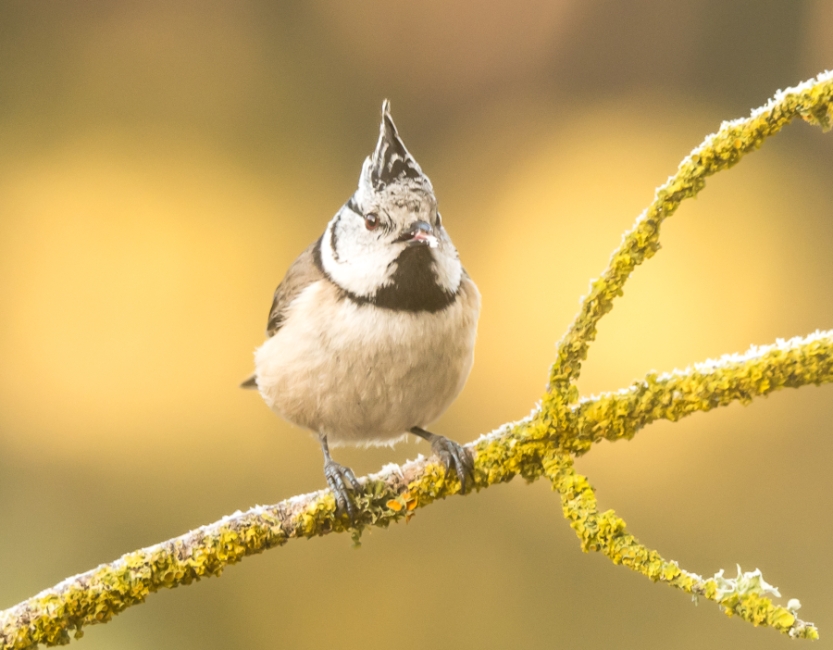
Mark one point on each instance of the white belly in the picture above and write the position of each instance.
(363, 375)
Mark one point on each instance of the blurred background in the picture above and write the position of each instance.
(162, 163)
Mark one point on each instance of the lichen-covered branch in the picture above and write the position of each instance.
(811, 101)
(746, 596)
(800, 361)
(525, 448)
(544, 442)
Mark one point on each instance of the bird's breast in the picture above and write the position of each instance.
(364, 374)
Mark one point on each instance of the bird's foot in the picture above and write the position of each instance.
(342, 482)
(454, 454)
(450, 454)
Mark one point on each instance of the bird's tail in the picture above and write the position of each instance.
(250, 383)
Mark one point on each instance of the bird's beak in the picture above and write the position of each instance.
(419, 233)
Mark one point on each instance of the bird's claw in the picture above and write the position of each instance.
(342, 482)
(452, 453)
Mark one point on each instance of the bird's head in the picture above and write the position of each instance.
(387, 243)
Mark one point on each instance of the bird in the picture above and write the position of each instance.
(371, 333)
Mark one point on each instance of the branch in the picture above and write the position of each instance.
(746, 596)
(810, 101)
(527, 448)
(540, 444)
(671, 396)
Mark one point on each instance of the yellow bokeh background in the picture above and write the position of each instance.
(162, 164)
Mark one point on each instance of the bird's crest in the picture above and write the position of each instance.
(391, 162)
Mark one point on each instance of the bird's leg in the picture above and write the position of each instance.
(450, 453)
(341, 480)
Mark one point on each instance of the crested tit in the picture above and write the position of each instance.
(371, 333)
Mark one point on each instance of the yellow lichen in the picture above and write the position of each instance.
(811, 101)
(606, 533)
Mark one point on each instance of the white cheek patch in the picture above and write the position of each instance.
(448, 268)
(364, 262)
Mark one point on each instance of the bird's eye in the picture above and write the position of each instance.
(371, 220)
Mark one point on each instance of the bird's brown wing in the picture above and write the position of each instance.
(303, 272)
